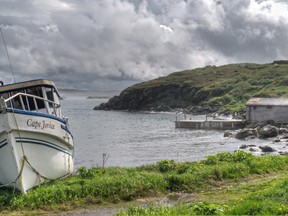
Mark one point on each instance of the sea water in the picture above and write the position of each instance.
(129, 139)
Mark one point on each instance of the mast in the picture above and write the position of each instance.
(11, 68)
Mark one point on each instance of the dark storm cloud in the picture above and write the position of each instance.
(110, 44)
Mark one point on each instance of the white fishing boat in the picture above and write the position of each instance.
(35, 142)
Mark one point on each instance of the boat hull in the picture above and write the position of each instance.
(33, 147)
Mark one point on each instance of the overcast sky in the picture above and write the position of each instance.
(111, 44)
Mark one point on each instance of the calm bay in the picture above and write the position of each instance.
(136, 138)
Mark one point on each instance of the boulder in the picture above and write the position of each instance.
(264, 130)
(243, 146)
(246, 146)
(267, 149)
(268, 131)
(246, 133)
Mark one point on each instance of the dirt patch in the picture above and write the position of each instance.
(103, 211)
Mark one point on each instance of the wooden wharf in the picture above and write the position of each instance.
(215, 124)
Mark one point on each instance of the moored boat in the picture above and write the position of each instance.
(35, 141)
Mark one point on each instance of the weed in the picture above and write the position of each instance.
(83, 172)
(188, 209)
(166, 165)
(271, 201)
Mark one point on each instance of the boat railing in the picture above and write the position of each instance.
(30, 102)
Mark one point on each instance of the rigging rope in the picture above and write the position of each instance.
(11, 68)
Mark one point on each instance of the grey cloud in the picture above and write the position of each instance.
(257, 40)
(109, 44)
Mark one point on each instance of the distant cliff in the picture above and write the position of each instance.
(205, 90)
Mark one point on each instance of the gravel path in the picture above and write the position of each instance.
(103, 211)
(112, 209)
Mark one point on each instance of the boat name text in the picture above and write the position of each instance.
(40, 124)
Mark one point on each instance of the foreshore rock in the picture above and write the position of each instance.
(246, 133)
(262, 130)
(275, 133)
(268, 131)
(267, 149)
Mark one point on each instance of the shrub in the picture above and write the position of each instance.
(236, 157)
(166, 165)
(175, 182)
(83, 172)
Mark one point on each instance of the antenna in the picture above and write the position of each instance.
(8, 55)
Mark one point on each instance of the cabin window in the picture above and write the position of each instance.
(254, 107)
(27, 100)
(49, 93)
(50, 96)
(37, 91)
(16, 102)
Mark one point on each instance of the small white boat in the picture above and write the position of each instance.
(35, 142)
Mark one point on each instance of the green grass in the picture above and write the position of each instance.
(265, 195)
(188, 209)
(109, 185)
(272, 200)
(115, 185)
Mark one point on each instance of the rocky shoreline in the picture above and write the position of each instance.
(203, 90)
(276, 134)
(191, 110)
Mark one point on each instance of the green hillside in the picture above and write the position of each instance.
(210, 89)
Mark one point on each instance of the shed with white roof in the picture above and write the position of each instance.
(263, 109)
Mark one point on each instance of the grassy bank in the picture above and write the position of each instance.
(226, 87)
(267, 197)
(115, 185)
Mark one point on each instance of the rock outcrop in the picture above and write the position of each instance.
(262, 130)
(246, 133)
(160, 98)
(267, 149)
(142, 99)
(269, 130)
(203, 90)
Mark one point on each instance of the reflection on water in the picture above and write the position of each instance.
(133, 138)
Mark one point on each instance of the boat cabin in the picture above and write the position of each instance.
(36, 95)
